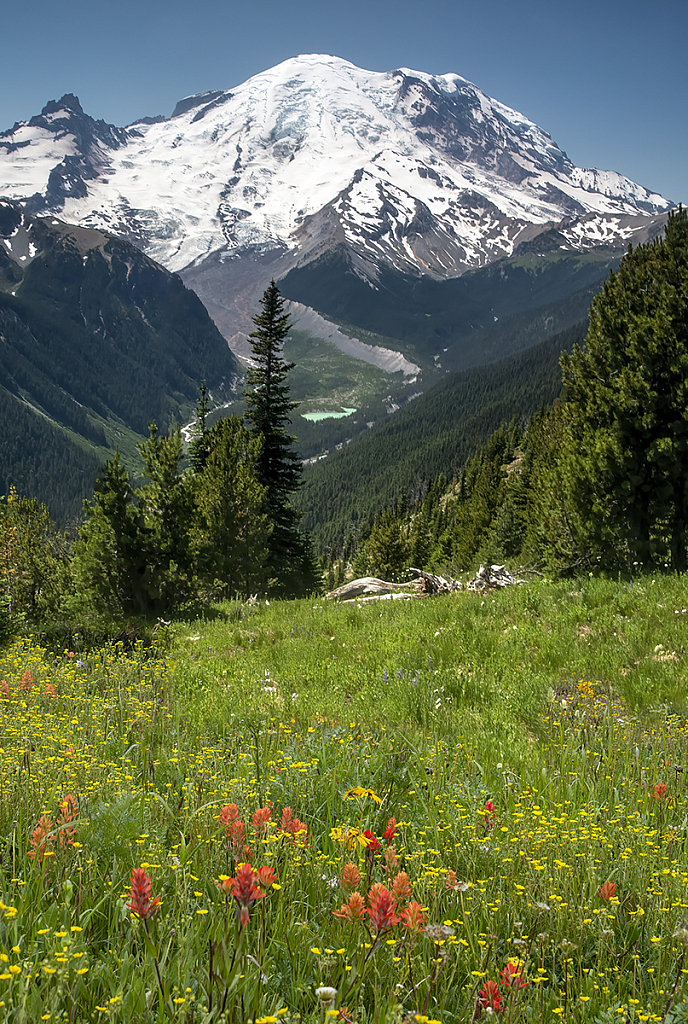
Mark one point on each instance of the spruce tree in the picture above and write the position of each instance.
(198, 445)
(278, 468)
(627, 408)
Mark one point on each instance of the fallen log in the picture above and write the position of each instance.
(367, 586)
(491, 576)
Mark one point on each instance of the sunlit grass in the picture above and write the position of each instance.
(535, 776)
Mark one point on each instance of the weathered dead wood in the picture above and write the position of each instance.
(490, 576)
(429, 583)
(367, 586)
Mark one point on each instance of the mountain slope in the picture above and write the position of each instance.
(96, 341)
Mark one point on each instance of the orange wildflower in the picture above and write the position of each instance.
(261, 818)
(412, 917)
(401, 887)
(40, 837)
(351, 876)
(291, 826)
(69, 810)
(228, 814)
(391, 860)
(354, 910)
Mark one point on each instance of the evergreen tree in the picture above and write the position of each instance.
(627, 407)
(167, 506)
(232, 533)
(110, 551)
(386, 551)
(198, 445)
(290, 563)
(34, 561)
(133, 555)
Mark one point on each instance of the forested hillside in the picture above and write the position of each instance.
(471, 320)
(436, 433)
(597, 481)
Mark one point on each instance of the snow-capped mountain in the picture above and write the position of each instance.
(417, 170)
(424, 174)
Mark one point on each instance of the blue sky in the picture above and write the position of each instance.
(607, 79)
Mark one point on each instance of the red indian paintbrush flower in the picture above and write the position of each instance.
(607, 891)
(245, 887)
(390, 831)
(236, 833)
(40, 837)
(660, 791)
(69, 812)
(229, 813)
(266, 876)
(373, 843)
(142, 902)
(292, 827)
(488, 996)
(261, 818)
(391, 860)
(512, 974)
(382, 908)
(351, 876)
(401, 887)
(412, 917)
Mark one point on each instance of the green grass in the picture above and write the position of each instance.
(530, 744)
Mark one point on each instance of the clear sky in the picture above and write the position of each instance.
(607, 79)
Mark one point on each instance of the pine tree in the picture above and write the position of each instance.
(134, 555)
(278, 468)
(386, 551)
(627, 407)
(167, 506)
(111, 550)
(34, 561)
(232, 533)
(198, 445)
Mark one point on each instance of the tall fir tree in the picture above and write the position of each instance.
(198, 447)
(627, 407)
(278, 468)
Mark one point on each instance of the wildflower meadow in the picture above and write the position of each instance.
(452, 810)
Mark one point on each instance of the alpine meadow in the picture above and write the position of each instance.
(356, 689)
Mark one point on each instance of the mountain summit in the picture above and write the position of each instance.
(422, 172)
(400, 171)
